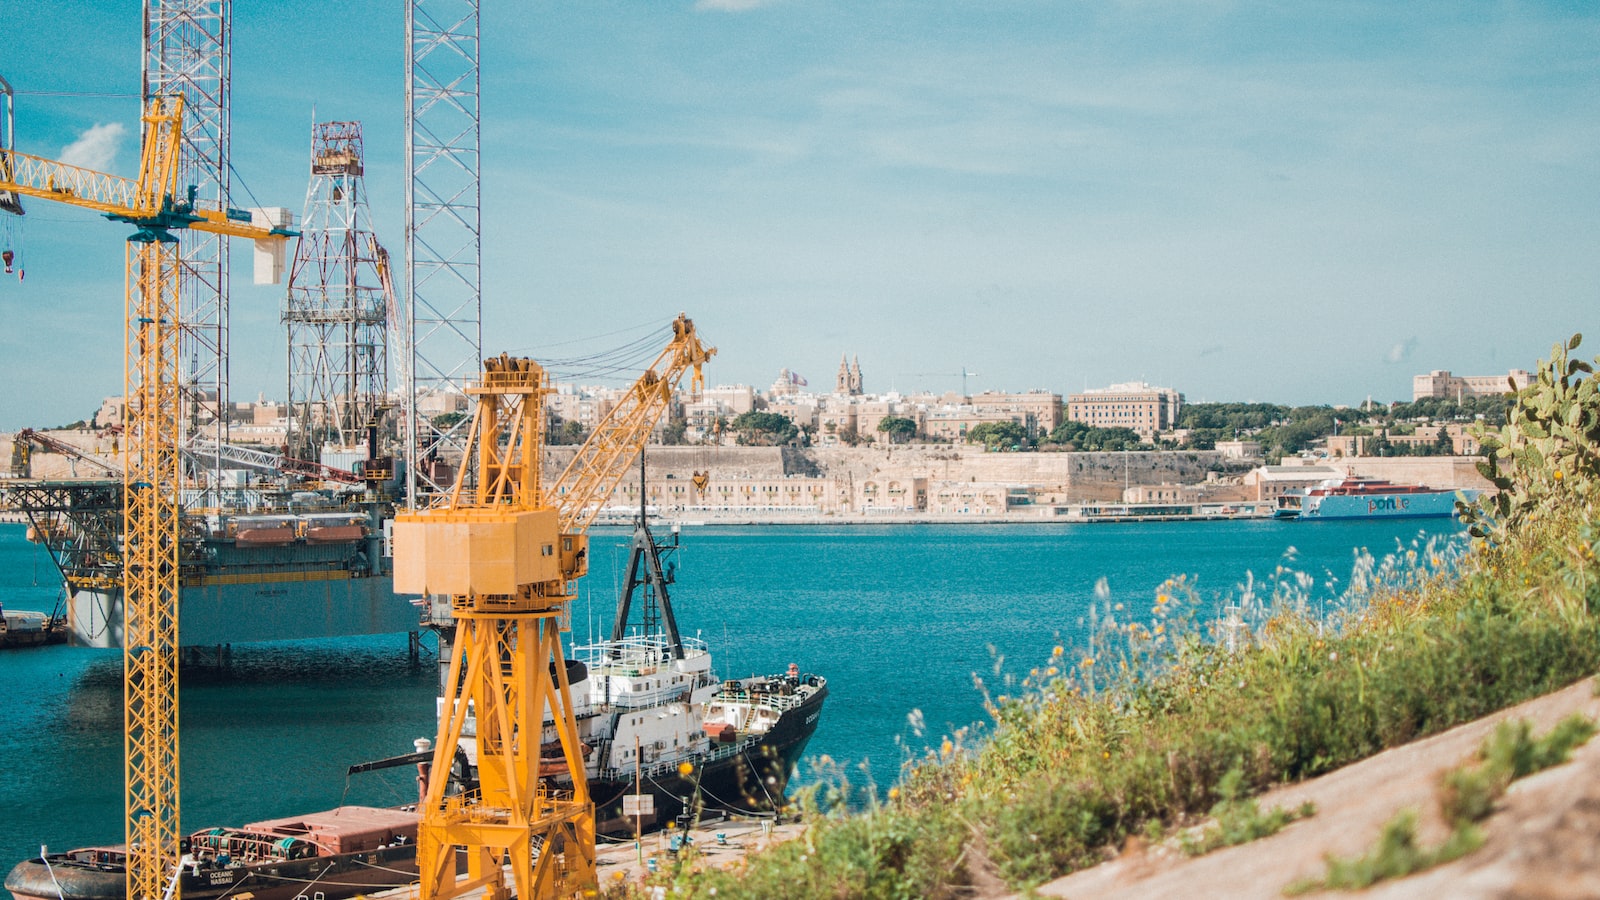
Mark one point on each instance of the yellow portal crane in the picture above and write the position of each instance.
(507, 550)
(151, 473)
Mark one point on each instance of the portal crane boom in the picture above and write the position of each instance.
(507, 550)
(603, 460)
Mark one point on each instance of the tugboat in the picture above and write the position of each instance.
(658, 721)
(335, 854)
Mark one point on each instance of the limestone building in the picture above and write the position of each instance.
(1441, 384)
(1136, 405)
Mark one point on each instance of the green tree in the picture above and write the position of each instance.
(898, 428)
(1087, 438)
(1443, 446)
(1231, 419)
(764, 429)
(998, 435)
(673, 434)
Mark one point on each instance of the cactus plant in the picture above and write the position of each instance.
(1548, 451)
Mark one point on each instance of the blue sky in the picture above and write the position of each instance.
(1301, 203)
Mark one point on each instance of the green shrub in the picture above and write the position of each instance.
(1239, 820)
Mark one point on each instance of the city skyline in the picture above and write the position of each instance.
(1242, 202)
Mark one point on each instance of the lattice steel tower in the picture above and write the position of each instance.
(444, 252)
(188, 50)
(335, 306)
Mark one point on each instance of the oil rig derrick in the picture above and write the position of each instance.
(335, 308)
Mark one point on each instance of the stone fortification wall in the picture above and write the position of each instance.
(841, 475)
(1103, 476)
(683, 462)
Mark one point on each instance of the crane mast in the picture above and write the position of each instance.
(150, 456)
(507, 549)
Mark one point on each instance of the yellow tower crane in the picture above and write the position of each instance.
(507, 549)
(150, 456)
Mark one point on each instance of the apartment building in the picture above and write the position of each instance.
(1136, 405)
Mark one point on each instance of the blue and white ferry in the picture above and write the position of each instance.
(1370, 498)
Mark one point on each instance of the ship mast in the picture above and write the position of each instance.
(646, 571)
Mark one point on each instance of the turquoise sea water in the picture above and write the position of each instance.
(897, 617)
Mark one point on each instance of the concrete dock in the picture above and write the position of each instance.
(716, 844)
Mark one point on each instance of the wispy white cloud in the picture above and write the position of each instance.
(1402, 351)
(730, 5)
(96, 148)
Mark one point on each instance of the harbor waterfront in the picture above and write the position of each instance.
(897, 617)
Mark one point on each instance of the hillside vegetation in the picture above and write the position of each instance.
(1165, 715)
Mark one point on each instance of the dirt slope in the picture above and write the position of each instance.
(1543, 839)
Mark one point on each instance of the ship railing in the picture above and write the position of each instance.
(784, 702)
(633, 652)
(659, 768)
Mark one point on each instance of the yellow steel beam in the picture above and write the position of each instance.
(150, 567)
(603, 460)
(150, 199)
(36, 176)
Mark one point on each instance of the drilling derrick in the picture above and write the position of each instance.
(507, 550)
(188, 52)
(335, 307)
(444, 246)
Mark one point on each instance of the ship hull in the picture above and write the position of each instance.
(1433, 504)
(752, 778)
(270, 609)
(333, 877)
